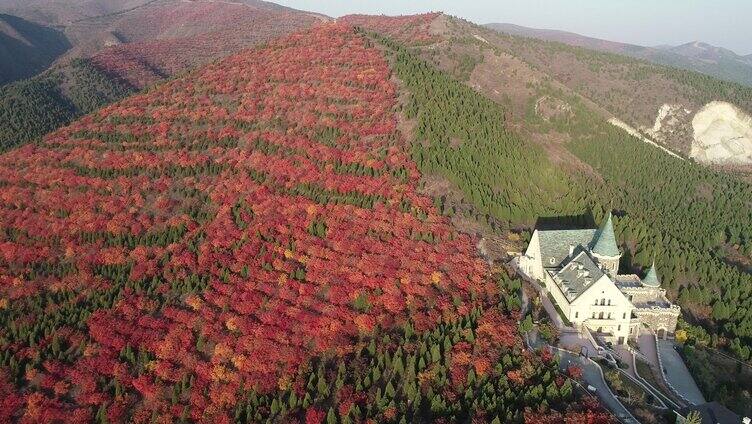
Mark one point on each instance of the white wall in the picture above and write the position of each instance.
(531, 261)
(620, 309)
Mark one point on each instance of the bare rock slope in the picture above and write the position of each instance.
(722, 134)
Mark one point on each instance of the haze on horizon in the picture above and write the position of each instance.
(723, 23)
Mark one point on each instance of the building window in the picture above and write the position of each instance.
(609, 302)
(603, 302)
(600, 316)
(576, 315)
(624, 315)
(609, 315)
(618, 328)
(593, 315)
(596, 302)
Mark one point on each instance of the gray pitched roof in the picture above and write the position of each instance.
(605, 240)
(577, 275)
(628, 280)
(556, 244)
(651, 278)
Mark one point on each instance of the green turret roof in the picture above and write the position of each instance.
(651, 278)
(604, 243)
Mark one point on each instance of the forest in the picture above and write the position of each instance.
(249, 242)
(224, 246)
(33, 107)
(689, 221)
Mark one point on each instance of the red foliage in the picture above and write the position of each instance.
(574, 372)
(10, 402)
(413, 29)
(314, 416)
(263, 144)
(166, 40)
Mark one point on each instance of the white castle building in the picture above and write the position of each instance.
(579, 268)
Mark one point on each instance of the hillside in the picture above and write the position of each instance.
(208, 30)
(171, 36)
(695, 221)
(658, 101)
(247, 242)
(63, 12)
(696, 56)
(27, 48)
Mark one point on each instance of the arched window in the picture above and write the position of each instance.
(609, 302)
(600, 316)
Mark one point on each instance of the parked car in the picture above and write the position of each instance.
(591, 389)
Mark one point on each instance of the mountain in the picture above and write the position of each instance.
(152, 42)
(567, 38)
(249, 242)
(27, 48)
(64, 12)
(303, 230)
(657, 101)
(131, 50)
(586, 121)
(703, 51)
(699, 57)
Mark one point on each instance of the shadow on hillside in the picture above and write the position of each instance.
(563, 222)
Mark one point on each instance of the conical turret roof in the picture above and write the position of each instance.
(651, 278)
(604, 243)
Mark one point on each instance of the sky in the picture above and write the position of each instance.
(724, 23)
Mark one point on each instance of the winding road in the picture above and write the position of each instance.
(593, 375)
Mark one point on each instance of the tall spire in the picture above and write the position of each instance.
(651, 278)
(605, 240)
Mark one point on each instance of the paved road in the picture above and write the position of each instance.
(591, 373)
(576, 342)
(626, 357)
(646, 343)
(677, 373)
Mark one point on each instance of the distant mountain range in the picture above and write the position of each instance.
(27, 48)
(695, 56)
